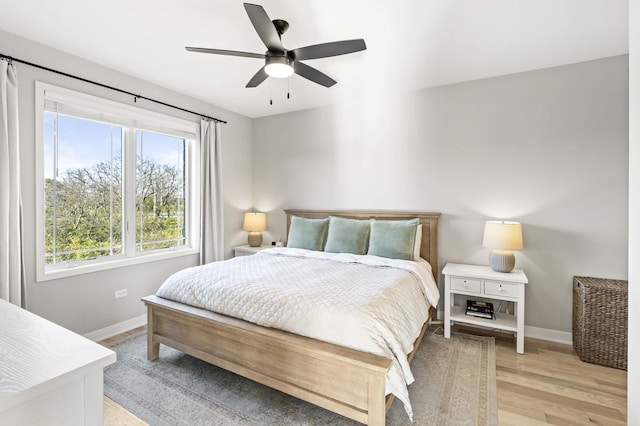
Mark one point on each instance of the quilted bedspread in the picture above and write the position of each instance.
(368, 303)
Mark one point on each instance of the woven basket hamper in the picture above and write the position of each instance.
(600, 321)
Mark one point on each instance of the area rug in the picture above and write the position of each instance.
(455, 385)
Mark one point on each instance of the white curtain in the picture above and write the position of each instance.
(11, 267)
(212, 221)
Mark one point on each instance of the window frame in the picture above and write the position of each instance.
(133, 118)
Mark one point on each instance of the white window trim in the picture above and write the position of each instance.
(143, 119)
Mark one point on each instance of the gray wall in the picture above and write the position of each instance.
(86, 303)
(548, 148)
(633, 393)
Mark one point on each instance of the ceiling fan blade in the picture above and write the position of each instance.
(313, 74)
(264, 27)
(260, 76)
(225, 52)
(325, 50)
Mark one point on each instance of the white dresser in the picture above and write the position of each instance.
(48, 374)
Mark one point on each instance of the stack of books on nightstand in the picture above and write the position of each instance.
(480, 309)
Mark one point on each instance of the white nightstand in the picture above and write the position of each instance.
(247, 250)
(483, 283)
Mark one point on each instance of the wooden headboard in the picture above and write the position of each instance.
(429, 221)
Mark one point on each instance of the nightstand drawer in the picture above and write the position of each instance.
(247, 250)
(500, 289)
(465, 284)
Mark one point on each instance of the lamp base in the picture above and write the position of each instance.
(255, 239)
(502, 260)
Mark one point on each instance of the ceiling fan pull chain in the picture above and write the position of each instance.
(288, 90)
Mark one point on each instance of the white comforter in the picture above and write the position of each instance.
(368, 303)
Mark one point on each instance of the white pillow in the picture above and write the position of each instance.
(418, 243)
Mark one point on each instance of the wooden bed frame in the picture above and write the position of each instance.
(342, 380)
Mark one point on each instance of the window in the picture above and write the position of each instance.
(82, 189)
(160, 202)
(116, 184)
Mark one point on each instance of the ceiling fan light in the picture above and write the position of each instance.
(279, 67)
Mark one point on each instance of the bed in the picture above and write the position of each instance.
(344, 380)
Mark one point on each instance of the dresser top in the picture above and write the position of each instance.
(36, 354)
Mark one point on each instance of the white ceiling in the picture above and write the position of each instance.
(411, 44)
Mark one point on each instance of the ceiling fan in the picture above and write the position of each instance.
(281, 62)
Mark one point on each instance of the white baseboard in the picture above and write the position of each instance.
(541, 333)
(121, 327)
(548, 335)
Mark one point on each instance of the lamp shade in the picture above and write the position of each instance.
(502, 235)
(255, 222)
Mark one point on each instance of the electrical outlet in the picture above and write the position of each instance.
(121, 293)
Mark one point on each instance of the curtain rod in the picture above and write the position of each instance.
(135, 97)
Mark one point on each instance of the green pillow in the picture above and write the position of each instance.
(347, 235)
(307, 233)
(393, 238)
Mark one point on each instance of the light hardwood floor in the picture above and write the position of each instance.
(547, 385)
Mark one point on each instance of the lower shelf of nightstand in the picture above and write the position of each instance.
(502, 321)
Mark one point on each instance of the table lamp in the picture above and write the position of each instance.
(502, 237)
(255, 223)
